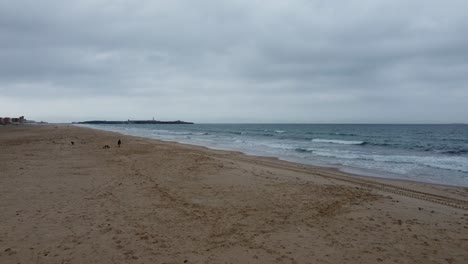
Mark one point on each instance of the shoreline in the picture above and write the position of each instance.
(164, 202)
(352, 171)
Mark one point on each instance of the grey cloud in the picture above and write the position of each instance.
(243, 61)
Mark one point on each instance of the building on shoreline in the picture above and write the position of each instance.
(14, 120)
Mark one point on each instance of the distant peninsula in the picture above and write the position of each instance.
(104, 122)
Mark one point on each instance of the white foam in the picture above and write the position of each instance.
(447, 163)
(335, 141)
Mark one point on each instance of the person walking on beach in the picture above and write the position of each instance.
(119, 142)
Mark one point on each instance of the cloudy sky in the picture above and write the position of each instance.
(314, 61)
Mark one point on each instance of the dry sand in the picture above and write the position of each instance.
(161, 202)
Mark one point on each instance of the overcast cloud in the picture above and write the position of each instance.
(235, 61)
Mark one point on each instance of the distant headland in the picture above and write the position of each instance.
(101, 122)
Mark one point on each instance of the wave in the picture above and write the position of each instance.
(344, 134)
(331, 134)
(455, 152)
(447, 163)
(179, 133)
(303, 150)
(280, 131)
(335, 141)
(448, 150)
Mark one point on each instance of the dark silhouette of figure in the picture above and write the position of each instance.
(119, 142)
(73, 143)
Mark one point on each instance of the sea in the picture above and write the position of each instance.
(424, 153)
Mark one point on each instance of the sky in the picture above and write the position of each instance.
(235, 61)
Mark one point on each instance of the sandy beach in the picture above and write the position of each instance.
(160, 202)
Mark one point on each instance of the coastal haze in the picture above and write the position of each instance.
(235, 61)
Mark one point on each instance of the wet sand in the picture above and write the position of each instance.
(160, 202)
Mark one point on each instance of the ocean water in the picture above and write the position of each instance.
(427, 153)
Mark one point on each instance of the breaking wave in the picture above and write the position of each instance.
(447, 163)
(304, 150)
(335, 141)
